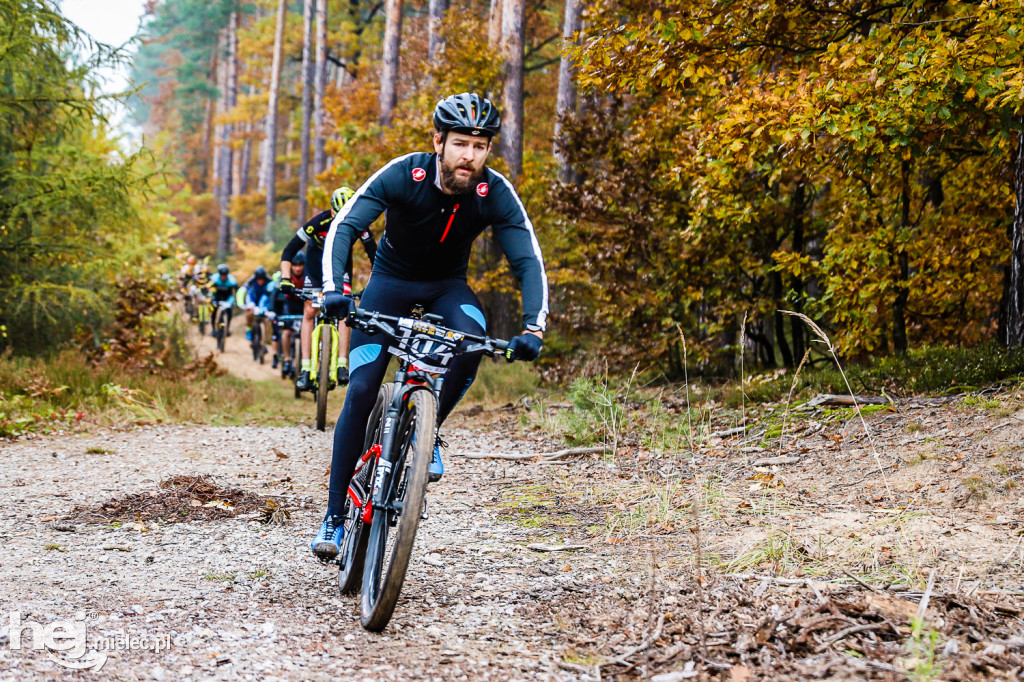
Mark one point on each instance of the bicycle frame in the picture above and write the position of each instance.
(409, 377)
(322, 323)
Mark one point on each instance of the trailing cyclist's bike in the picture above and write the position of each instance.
(260, 315)
(202, 311)
(324, 356)
(222, 321)
(387, 496)
(293, 323)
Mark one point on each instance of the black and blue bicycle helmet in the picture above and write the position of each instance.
(468, 113)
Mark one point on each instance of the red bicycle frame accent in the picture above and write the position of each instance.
(373, 452)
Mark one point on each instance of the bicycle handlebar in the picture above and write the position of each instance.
(370, 322)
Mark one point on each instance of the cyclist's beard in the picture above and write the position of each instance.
(457, 184)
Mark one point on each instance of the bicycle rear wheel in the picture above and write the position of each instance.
(353, 549)
(257, 339)
(296, 362)
(389, 551)
(223, 325)
(323, 380)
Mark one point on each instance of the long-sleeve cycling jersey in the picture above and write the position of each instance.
(313, 233)
(223, 287)
(429, 234)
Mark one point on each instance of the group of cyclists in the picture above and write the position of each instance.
(435, 205)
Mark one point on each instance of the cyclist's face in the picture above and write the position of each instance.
(462, 160)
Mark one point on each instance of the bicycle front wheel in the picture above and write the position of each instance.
(323, 380)
(393, 528)
(353, 548)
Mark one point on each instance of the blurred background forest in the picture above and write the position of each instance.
(693, 168)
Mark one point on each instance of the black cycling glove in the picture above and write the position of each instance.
(525, 347)
(336, 304)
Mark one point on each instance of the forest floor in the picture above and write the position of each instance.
(826, 552)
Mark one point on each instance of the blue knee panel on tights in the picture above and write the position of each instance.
(363, 355)
(475, 314)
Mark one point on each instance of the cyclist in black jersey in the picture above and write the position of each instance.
(311, 236)
(435, 206)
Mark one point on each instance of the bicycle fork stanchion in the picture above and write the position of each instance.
(314, 360)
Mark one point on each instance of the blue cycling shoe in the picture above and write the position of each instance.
(436, 465)
(327, 542)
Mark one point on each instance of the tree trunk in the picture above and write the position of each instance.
(319, 86)
(246, 163)
(270, 153)
(899, 306)
(230, 93)
(1015, 290)
(566, 103)
(797, 326)
(512, 36)
(494, 24)
(436, 14)
(389, 74)
(307, 103)
(779, 321)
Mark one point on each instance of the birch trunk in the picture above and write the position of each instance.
(319, 86)
(494, 24)
(307, 103)
(436, 14)
(227, 154)
(389, 74)
(270, 152)
(512, 35)
(566, 102)
(1014, 306)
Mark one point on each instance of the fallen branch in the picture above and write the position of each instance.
(540, 547)
(847, 400)
(623, 659)
(927, 595)
(728, 432)
(849, 631)
(537, 455)
(768, 461)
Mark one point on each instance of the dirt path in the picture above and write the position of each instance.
(242, 600)
(237, 355)
(722, 564)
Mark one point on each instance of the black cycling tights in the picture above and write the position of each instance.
(368, 361)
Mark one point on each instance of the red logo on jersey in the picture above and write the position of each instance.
(418, 174)
(482, 189)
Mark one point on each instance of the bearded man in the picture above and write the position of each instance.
(435, 206)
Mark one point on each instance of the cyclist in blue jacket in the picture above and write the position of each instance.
(223, 288)
(435, 206)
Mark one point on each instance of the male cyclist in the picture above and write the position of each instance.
(311, 236)
(436, 205)
(287, 302)
(257, 295)
(223, 287)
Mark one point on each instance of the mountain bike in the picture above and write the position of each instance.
(387, 496)
(260, 314)
(202, 311)
(324, 356)
(293, 322)
(222, 321)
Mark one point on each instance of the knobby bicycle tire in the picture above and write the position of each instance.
(323, 381)
(257, 340)
(353, 549)
(223, 325)
(296, 362)
(387, 562)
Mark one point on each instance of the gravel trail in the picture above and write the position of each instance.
(239, 600)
